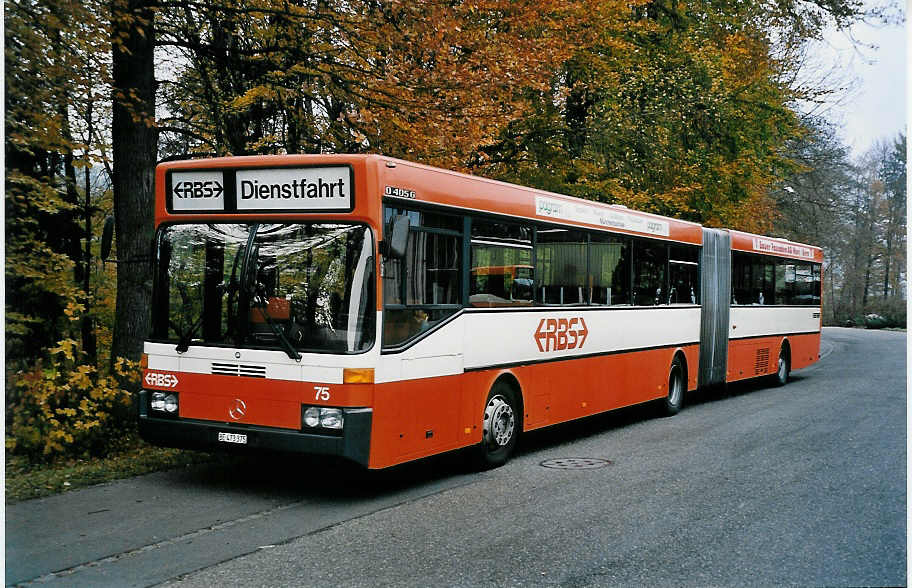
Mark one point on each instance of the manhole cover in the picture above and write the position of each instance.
(575, 463)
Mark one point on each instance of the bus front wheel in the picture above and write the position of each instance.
(501, 423)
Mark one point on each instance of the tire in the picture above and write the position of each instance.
(783, 369)
(677, 384)
(501, 424)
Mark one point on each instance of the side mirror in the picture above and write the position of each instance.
(107, 237)
(398, 236)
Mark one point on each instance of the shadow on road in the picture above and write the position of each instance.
(313, 477)
(328, 479)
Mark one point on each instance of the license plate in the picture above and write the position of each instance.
(232, 438)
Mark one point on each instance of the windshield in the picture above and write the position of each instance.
(297, 287)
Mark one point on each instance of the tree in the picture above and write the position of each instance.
(134, 145)
(682, 108)
(812, 205)
(811, 202)
(893, 172)
(428, 81)
(54, 63)
(855, 211)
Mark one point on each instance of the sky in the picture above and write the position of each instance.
(875, 70)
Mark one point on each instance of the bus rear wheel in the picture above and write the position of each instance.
(675, 399)
(783, 368)
(501, 423)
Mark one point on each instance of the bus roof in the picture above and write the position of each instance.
(377, 177)
(448, 188)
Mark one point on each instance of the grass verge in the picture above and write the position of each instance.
(25, 481)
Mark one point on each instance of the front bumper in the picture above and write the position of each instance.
(353, 444)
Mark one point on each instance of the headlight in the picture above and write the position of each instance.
(331, 418)
(164, 402)
(312, 416)
(158, 401)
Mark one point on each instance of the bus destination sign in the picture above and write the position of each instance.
(789, 249)
(308, 188)
(595, 215)
(278, 189)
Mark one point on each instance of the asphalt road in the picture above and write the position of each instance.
(801, 485)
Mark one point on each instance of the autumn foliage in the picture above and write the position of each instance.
(61, 407)
(431, 81)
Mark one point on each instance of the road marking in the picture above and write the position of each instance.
(114, 558)
(152, 546)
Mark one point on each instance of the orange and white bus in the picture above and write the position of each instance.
(383, 311)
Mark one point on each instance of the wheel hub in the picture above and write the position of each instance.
(499, 422)
(676, 386)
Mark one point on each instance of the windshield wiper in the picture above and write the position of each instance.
(249, 289)
(185, 337)
(261, 305)
(183, 342)
(232, 289)
(245, 285)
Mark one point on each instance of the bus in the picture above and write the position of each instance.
(382, 311)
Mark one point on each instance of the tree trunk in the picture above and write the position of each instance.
(853, 280)
(68, 229)
(134, 147)
(889, 255)
(867, 284)
(89, 341)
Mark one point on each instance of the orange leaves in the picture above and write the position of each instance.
(430, 80)
(479, 60)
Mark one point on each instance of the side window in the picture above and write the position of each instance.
(432, 268)
(764, 281)
(807, 284)
(609, 269)
(501, 264)
(815, 299)
(561, 266)
(785, 281)
(424, 287)
(650, 264)
(683, 275)
(754, 280)
(740, 278)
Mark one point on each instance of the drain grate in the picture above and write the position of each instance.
(575, 463)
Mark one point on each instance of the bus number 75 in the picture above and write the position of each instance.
(321, 393)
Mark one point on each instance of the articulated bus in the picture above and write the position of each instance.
(382, 311)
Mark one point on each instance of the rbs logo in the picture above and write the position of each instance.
(561, 334)
(160, 380)
(208, 189)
